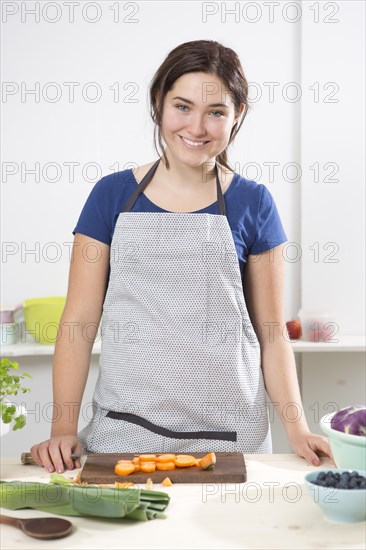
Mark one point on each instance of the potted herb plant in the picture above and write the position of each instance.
(11, 384)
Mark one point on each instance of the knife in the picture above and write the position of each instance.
(26, 458)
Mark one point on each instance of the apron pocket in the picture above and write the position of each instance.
(112, 435)
(165, 432)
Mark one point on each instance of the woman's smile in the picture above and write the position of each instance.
(193, 144)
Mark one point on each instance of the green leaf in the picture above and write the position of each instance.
(8, 412)
(19, 422)
(60, 479)
(11, 385)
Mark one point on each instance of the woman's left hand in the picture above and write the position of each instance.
(310, 446)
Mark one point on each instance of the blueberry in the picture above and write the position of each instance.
(329, 482)
(352, 484)
(345, 480)
(342, 485)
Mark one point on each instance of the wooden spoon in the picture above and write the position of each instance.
(40, 528)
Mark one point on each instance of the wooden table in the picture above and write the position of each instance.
(271, 510)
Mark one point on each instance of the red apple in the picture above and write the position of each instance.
(294, 329)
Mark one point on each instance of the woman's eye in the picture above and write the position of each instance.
(185, 107)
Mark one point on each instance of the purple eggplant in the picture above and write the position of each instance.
(350, 420)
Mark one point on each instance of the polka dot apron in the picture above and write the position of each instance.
(180, 364)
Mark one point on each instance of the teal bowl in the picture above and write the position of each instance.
(338, 505)
(349, 451)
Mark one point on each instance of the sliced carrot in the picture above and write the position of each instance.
(184, 461)
(119, 485)
(208, 461)
(147, 458)
(147, 466)
(136, 460)
(137, 467)
(166, 482)
(166, 458)
(165, 465)
(124, 469)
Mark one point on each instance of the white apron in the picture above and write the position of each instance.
(180, 364)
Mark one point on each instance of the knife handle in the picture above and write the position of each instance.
(26, 458)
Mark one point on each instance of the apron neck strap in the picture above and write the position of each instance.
(148, 177)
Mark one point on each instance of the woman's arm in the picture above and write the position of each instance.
(263, 285)
(78, 328)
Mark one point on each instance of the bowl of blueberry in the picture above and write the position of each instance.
(340, 493)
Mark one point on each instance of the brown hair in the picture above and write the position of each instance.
(205, 56)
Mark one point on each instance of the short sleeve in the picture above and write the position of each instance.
(269, 228)
(95, 218)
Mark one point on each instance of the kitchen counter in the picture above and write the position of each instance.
(271, 510)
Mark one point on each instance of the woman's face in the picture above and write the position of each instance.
(198, 116)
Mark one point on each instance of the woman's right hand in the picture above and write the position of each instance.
(54, 453)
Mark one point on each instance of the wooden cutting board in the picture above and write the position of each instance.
(229, 468)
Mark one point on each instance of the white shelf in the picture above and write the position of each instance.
(33, 349)
(346, 344)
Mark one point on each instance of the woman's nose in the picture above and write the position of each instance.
(197, 128)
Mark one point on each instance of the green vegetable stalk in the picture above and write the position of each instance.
(69, 499)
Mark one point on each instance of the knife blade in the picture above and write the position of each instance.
(26, 458)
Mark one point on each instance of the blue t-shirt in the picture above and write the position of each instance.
(250, 209)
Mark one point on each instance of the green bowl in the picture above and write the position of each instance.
(349, 451)
(42, 317)
(338, 505)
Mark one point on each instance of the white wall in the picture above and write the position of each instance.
(332, 134)
(275, 51)
(333, 138)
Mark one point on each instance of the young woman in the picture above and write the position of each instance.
(188, 287)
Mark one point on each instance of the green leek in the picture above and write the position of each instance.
(69, 499)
